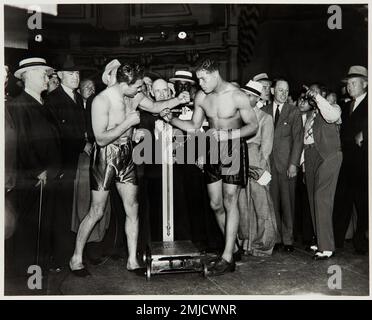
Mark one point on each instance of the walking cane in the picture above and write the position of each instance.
(39, 222)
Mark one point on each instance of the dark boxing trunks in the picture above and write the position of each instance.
(111, 163)
(231, 164)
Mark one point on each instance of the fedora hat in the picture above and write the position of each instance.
(107, 78)
(69, 65)
(356, 71)
(261, 76)
(29, 64)
(253, 87)
(182, 75)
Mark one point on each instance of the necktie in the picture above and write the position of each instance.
(352, 104)
(276, 116)
(309, 132)
(75, 96)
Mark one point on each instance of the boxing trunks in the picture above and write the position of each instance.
(227, 160)
(112, 163)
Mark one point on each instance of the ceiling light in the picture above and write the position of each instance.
(182, 35)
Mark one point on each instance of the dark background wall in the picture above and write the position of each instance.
(295, 42)
(289, 40)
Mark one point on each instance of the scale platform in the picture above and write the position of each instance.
(173, 257)
(169, 256)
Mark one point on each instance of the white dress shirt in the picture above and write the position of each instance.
(69, 91)
(359, 100)
(275, 106)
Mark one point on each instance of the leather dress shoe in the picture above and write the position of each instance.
(221, 267)
(81, 273)
(288, 248)
(323, 255)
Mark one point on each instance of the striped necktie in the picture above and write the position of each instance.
(309, 132)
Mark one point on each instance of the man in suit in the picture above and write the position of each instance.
(265, 98)
(323, 159)
(38, 168)
(67, 106)
(285, 159)
(352, 188)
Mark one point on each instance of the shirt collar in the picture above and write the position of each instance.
(33, 94)
(68, 90)
(360, 98)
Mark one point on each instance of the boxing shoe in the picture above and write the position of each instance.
(221, 267)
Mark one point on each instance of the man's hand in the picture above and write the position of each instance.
(292, 171)
(359, 139)
(310, 93)
(221, 135)
(42, 177)
(88, 148)
(166, 114)
(138, 135)
(133, 118)
(184, 97)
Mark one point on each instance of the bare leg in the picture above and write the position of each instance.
(216, 203)
(230, 201)
(128, 193)
(97, 206)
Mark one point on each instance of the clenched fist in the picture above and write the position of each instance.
(184, 97)
(166, 114)
(133, 118)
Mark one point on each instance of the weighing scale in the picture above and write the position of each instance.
(169, 256)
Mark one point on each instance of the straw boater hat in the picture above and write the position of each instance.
(108, 76)
(356, 71)
(29, 64)
(253, 87)
(261, 76)
(182, 75)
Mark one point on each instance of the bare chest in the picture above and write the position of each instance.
(220, 107)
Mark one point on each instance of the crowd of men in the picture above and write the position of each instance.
(297, 161)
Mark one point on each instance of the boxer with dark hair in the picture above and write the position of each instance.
(114, 114)
(230, 115)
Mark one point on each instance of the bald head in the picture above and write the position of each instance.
(161, 90)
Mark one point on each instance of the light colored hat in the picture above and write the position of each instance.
(356, 71)
(182, 75)
(109, 75)
(261, 76)
(29, 64)
(253, 87)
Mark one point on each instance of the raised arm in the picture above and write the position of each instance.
(100, 120)
(197, 119)
(157, 106)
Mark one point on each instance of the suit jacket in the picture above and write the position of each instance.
(353, 124)
(38, 138)
(88, 119)
(326, 137)
(71, 120)
(288, 137)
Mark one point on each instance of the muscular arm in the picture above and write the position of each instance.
(157, 106)
(197, 119)
(100, 119)
(247, 114)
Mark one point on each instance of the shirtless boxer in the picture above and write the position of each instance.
(226, 108)
(113, 117)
